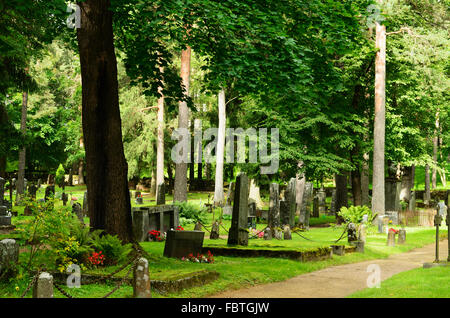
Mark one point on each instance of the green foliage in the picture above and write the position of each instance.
(59, 177)
(354, 214)
(190, 212)
(111, 246)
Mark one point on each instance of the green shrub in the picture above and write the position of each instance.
(111, 246)
(59, 177)
(354, 214)
(191, 212)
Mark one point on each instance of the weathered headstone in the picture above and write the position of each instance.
(290, 197)
(78, 211)
(316, 207)
(267, 233)
(161, 194)
(9, 256)
(393, 216)
(137, 194)
(5, 218)
(333, 202)
(85, 204)
(238, 234)
(141, 280)
(274, 207)
(401, 236)
(215, 229)
(352, 234)
(182, 243)
(391, 238)
(278, 234)
(287, 235)
(359, 246)
(230, 194)
(198, 226)
(139, 200)
(39, 183)
(322, 195)
(442, 209)
(43, 288)
(412, 202)
(392, 194)
(305, 210)
(227, 210)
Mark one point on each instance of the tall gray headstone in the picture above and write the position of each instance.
(5, 217)
(274, 206)
(316, 207)
(392, 194)
(291, 197)
(321, 194)
(306, 204)
(238, 234)
(78, 211)
(333, 202)
(230, 193)
(412, 202)
(161, 194)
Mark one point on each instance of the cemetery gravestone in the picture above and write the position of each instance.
(362, 233)
(278, 234)
(338, 250)
(43, 287)
(238, 234)
(78, 211)
(412, 202)
(391, 238)
(198, 226)
(141, 280)
(392, 194)
(32, 189)
(182, 243)
(316, 207)
(306, 205)
(215, 231)
(9, 256)
(64, 198)
(252, 209)
(333, 202)
(161, 218)
(393, 216)
(321, 194)
(284, 212)
(274, 207)
(161, 194)
(5, 218)
(352, 235)
(291, 199)
(267, 234)
(287, 235)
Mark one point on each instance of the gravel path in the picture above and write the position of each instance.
(339, 281)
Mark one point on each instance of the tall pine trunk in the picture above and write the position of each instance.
(378, 199)
(427, 193)
(180, 187)
(218, 189)
(106, 167)
(22, 153)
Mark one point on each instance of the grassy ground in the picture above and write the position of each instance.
(420, 283)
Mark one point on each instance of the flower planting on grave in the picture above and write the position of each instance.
(200, 258)
(155, 235)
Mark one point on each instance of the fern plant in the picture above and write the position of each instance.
(355, 214)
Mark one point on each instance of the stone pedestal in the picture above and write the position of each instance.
(287, 235)
(214, 231)
(161, 194)
(338, 250)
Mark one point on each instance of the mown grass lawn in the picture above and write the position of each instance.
(416, 283)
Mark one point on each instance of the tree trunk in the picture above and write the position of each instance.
(218, 188)
(4, 122)
(413, 176)
(160, 143)
(356, 187)
(22, 152)
(180, 187)
(208, 171)
(153, 183)
(70, 181)
(341, 194)
(192, 162)
(435, 153)
(107, 183)
(378, 200)
(198, 146)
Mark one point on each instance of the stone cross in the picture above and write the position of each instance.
(141, 280)
(274, 207)
(43, 288)
(238, 234)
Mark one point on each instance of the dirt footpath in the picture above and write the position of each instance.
(340, 281)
